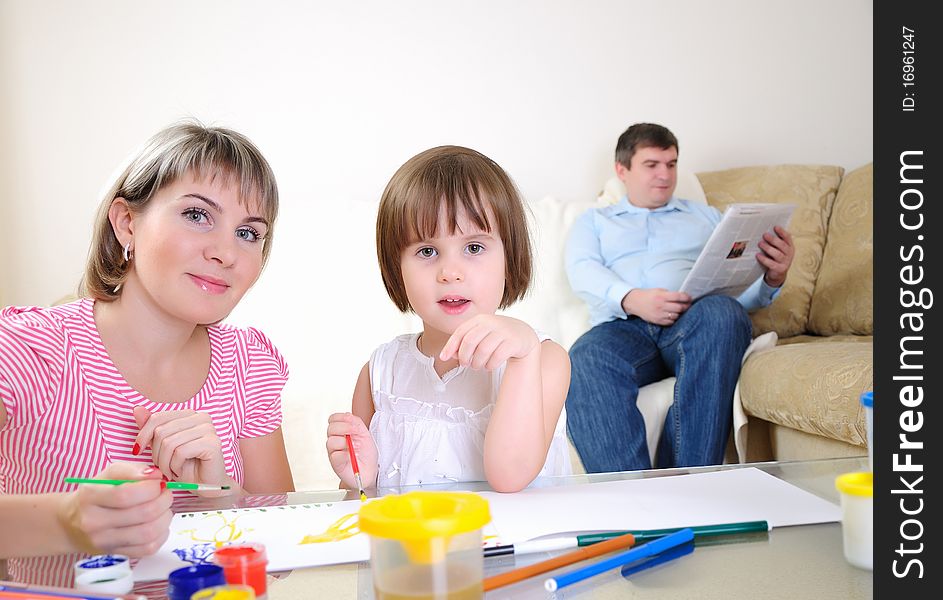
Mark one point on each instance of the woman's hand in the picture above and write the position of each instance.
(184, 445)
(487, 341)
(131, 518)
(340, 425)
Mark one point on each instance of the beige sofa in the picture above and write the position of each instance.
(801, 398)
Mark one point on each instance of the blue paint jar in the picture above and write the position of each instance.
(182, 583)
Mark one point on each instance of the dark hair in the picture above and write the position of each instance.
(175, 151)
(452, 178)
(643, 135)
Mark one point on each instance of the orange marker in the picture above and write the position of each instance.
(353, 464)
(616, 543)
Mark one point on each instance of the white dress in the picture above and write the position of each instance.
(431, 429)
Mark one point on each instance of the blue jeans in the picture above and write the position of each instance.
(611, 361)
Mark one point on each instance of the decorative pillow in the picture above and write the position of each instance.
(812, 189)
(842, 300)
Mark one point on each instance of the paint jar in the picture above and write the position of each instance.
(244, 564)
(104, 574)
(426, 545)
(224, 592)
(857, 521)
(182, 583)
(867, 400)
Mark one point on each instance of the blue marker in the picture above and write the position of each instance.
(648, 563)
(635, 554)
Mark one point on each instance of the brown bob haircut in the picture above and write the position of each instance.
(180, 149)
(643, 135)
(453, 179)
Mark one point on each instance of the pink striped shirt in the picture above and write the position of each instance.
(70, 412)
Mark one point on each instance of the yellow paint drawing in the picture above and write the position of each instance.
(339, 530)
(226, 532)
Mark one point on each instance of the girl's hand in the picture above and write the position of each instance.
(340, 425)
(184, 445)
(131, 518)
(487, 341)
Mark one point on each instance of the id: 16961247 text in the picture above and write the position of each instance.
(909, 57)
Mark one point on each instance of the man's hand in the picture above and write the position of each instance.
(656, 305)
(777, 255)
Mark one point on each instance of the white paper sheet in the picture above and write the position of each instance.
(746, 494)
(731, 496)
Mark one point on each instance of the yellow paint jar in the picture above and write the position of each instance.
(225, 592)
(857, 521)
(426, 545)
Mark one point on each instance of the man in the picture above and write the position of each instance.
(626, 261)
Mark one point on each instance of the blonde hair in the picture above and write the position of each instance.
(183, 148)
(451, 178)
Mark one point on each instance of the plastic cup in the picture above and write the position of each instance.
(857, 507)
(225, 592)
(867, 400)
(244, 564)
(183, 582)
(426, 545)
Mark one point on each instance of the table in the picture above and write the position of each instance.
(791, 562)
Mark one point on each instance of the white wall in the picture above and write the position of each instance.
(338, 97)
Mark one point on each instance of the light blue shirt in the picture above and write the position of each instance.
(611, 251)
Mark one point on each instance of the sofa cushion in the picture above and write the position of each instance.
(813, 387)
(812, 189)
(842, 300)
(551, 306)
(803, 339)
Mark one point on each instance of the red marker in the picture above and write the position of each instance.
(353, 464)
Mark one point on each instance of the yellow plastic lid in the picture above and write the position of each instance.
(225, 592)
(856, 484)
(424, 515)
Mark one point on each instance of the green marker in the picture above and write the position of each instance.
(700, 531)
(171, 485)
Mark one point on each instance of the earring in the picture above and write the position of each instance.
(128, 253)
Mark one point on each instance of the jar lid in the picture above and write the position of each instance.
(856, 484)
(104, 564)
(424, 515)
(867, 399)
(183, 582)
(104, 574)
(243, 554)
(225, 592)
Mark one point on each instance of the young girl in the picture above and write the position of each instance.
(138, 380)
(475, 396)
